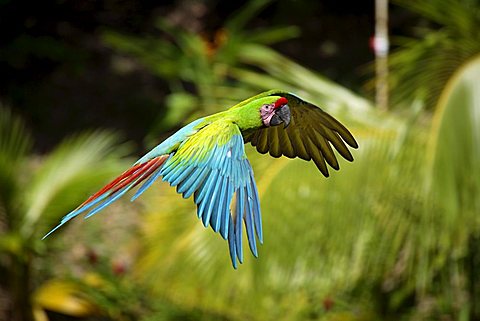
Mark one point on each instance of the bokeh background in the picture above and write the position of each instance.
(86, 87)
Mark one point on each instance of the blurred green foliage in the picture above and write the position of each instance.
(422, 64)
(395, 234)
(198, 68)
(36, 191)
(207, 75)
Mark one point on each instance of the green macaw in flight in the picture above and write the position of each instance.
(207, 159)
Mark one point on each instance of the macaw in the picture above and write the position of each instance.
(207, 159)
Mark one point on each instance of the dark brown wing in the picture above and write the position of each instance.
(310, 135)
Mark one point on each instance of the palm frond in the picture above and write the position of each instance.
(422, 65)
(15, 144)
(392, 228)
(67, 175)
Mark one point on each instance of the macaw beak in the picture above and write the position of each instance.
(282, 115)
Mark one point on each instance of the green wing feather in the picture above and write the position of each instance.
(311, 134)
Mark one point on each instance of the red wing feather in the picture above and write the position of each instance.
(144, 170)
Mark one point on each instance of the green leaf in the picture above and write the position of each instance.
(456, 152)
(67, 175)
(421, 66)
(15, 144)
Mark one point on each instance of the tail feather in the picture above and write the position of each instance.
(117, 188)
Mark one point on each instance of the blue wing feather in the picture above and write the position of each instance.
(205, 197)
(109, 200)
(146, 185)
(213, 179)
(130, 178)
(170, 144)
(211, 201)
(205, 188)
(232, 244)
(249, 222)
(221, 172)
(179, 177)
(195, 181)
(225, 228)
(256, 209)
(240, 210)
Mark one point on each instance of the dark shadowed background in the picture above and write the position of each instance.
(56, 70)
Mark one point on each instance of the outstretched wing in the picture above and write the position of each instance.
(145, 169)
(212, 166)
(204, 160)
(311, 134)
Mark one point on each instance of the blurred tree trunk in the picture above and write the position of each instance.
(380, 47)
(20, 277)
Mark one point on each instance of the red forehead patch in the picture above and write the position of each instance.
(280, 102)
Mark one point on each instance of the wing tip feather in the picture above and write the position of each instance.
(113, 190)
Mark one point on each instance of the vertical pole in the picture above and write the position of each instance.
(380, 46)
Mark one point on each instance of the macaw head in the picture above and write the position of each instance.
(276, 113)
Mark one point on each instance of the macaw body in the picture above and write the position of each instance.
(207, 159)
